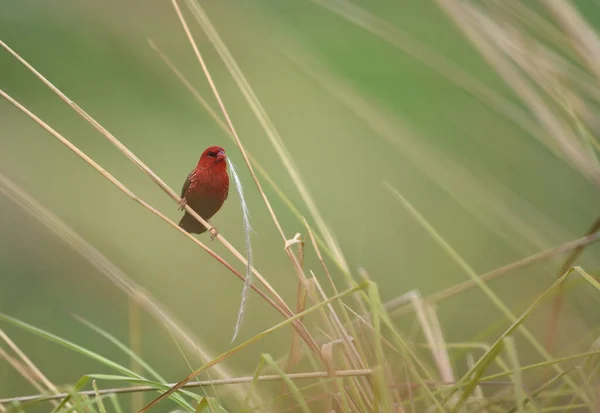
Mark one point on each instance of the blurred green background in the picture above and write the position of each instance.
(488, 186)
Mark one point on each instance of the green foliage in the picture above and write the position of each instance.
(351, 353)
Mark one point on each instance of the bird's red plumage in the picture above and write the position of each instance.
(205, 189)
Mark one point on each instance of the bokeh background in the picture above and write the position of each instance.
(354, 108)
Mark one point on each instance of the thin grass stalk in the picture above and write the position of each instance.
(576, 75)
(398, 305)
(342, 329)
(478, 396)
(542, 388)
(335, 392)
(442, 362)
(290, 383)
(25, 372)
(558, 299)
(137, 400)
(295, 350)
(138, 361)
(32, 370)
(582, 35)
(525, 262)
(98, 400)
(447, 372)
(31, 367)
(484, 347)
(355, 358)
(531, 19)
(517, 376)
(115, 403)
(361, 391)
(381, 393)
(542, 364)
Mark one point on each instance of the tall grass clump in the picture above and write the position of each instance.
(349, 351)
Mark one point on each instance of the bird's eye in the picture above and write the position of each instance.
(212, 154)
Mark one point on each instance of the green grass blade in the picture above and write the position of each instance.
(476, 373)
(542, 388)
(80, 404)
(65, 343)
(291, 385)
(209, 405)
(121, 347)
(88, 353)
(99, 402)
(517, 375)
(78, 386)
(381, 390)
(114, 400)
(253, 385)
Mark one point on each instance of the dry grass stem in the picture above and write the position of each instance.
(195, 384)
(558, 299)
(582, 36)
(25, 372)
(36, 373)
(507, 269)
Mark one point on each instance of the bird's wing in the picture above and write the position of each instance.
(186, 184)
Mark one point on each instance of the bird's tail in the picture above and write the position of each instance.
(191, 225)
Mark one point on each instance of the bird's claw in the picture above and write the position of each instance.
(181, 204)
(213, 233)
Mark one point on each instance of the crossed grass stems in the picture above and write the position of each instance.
(367, 388)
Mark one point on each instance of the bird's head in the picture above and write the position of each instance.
(213, 156)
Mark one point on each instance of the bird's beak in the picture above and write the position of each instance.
(221, 155)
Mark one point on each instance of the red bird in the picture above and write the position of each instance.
(205, 189)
